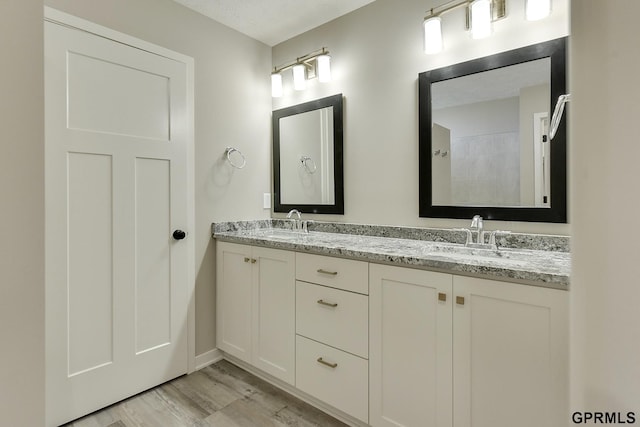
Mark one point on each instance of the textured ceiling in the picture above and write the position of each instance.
(500, 83)
(273, 21)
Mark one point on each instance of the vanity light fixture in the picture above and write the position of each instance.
(537, 9)
(323, 65)
(299, 77)
(432, 35)
(314, 64)
(480, 14)
(276, 85)
(480, 11)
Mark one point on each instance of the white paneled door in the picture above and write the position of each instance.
(117, 290)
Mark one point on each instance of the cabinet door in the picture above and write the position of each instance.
(410, 347)
(274, 312)
(510, 354)
(233, 293)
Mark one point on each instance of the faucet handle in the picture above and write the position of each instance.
(492, 236)
(469, 235)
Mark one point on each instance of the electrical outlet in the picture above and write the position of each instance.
(266, 200)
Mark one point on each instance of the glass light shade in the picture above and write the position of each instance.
(323, 67)
(480, 19)
(276, 85)
(299, 77)
(432, 35)
(537, 9)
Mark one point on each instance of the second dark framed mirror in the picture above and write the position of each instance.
(484, 148)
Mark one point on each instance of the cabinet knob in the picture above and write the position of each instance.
(247, 259)
(460, 300)
(442, 296)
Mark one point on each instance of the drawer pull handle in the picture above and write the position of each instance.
(331, 273)
(328, 304)
(331, 365)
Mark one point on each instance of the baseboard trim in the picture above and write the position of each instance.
(205, 359)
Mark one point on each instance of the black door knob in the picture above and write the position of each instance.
(179, 234)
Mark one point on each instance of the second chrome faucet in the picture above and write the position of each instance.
(477, 225)
(297, 224)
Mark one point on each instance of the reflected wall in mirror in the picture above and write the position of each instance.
(483, 137)
(307, 157)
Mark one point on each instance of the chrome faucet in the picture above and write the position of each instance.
(297, 223)
(293, 211)
(477, 224)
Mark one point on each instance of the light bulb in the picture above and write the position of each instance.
(480, 19)
(537, 9)
(432, 35)
(323, 66)
(299, 77)
(276, 85)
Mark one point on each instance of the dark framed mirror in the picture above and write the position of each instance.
(484, 148)
(307, 157)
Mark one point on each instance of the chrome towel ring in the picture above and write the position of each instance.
(228, 152)
(308, 164)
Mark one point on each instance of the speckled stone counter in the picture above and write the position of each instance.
(522, 258)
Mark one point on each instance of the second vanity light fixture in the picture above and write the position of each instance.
(314, 64)
(479, 17)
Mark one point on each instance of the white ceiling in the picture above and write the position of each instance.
(273, 21)
(500, 83)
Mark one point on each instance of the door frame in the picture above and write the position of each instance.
(57, 17)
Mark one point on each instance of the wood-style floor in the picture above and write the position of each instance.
(220, 395)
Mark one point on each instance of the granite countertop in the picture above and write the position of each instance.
(442, 252)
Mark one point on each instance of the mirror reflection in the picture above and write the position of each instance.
(307, 157)
(488, 137)
(484, 147)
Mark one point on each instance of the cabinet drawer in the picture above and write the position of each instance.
(338, 273)
(341, 382)
(335, 317)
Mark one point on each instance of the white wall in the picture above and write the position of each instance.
(22, 214)
(232, 108)
(605, 199)
(376, 57)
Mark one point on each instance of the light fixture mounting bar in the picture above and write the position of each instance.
(305, 59)
(447, 7)
(498, 9)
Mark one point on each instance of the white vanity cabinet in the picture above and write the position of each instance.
(510, 354)
(396, 346)
(255, 318)
(456, 351)
(332, 319)
(410, 347)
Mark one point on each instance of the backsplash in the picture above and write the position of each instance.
(539, 242)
